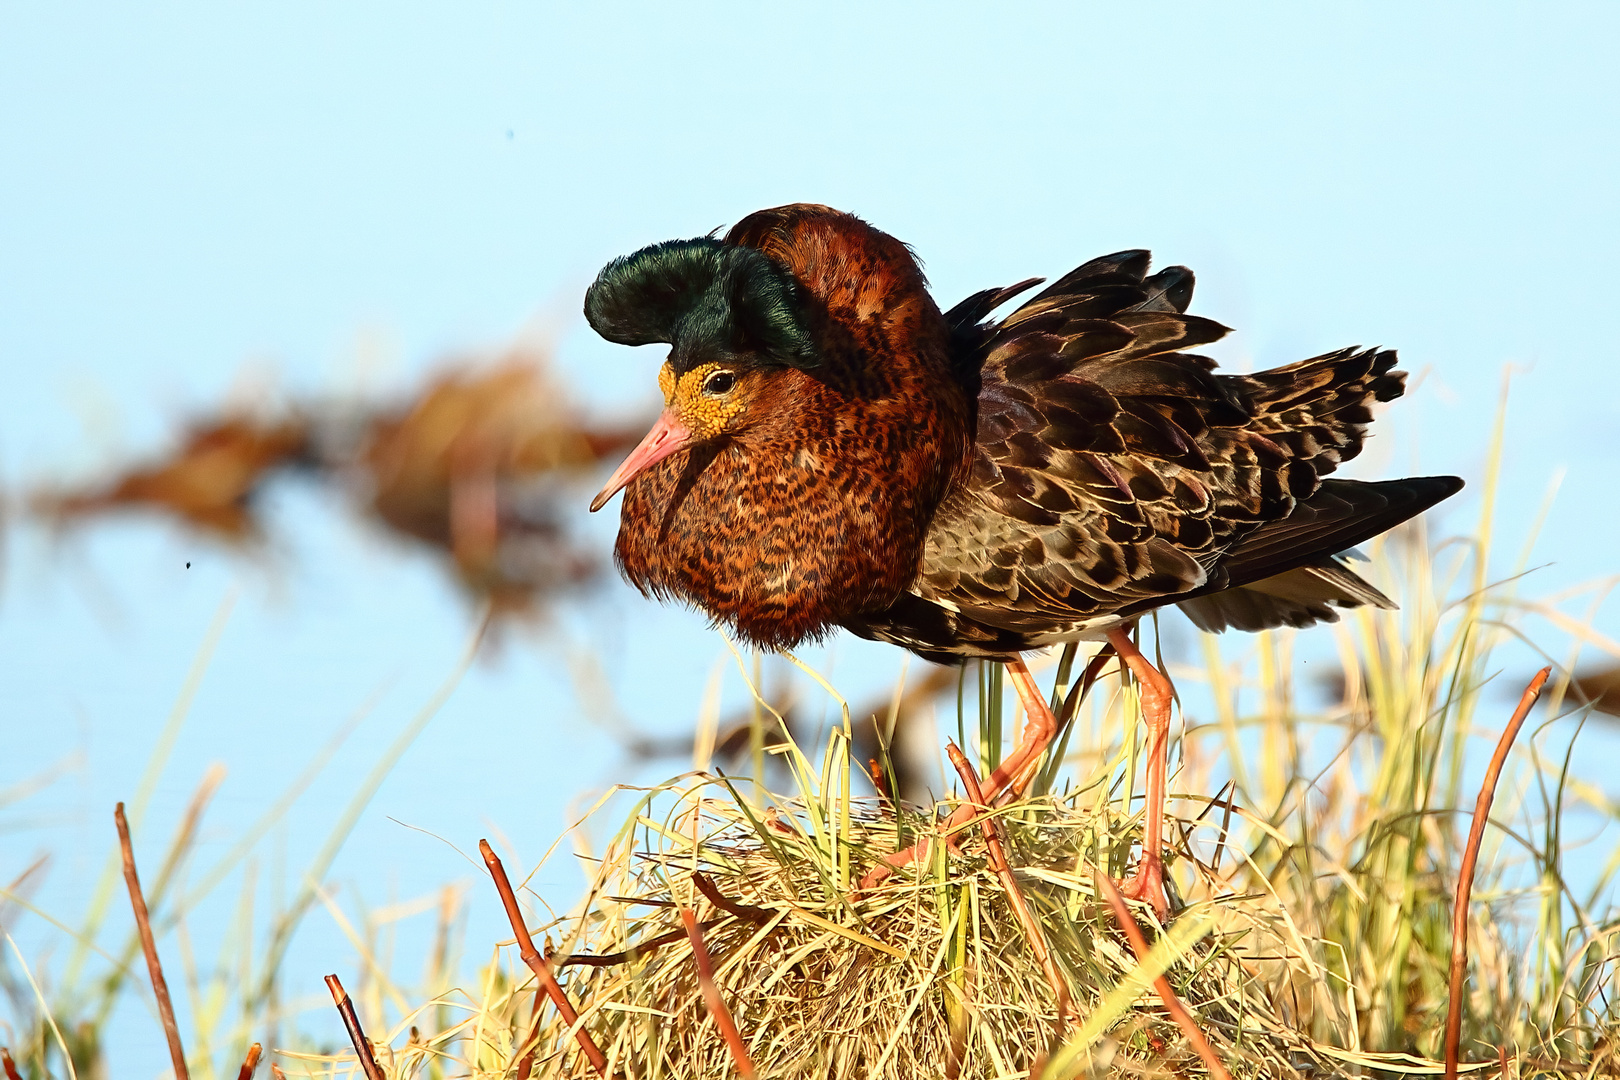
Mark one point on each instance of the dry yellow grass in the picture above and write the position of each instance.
(1316, 854)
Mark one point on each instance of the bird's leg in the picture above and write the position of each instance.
(1147, 882)
(1065, 717)
(1017, 772)
(1013, 775)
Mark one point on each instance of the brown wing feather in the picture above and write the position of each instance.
(1113, 473)
(1287, 573)
(1342, 514)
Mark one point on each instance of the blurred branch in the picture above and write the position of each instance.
(160, 986)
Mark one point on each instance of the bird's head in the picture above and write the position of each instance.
(791, 296)
(732, 315)
(812, 419)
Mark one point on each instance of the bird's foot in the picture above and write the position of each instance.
(885, 866)
(906, 856)
(1147, 883)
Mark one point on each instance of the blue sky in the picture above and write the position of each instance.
(186, 190)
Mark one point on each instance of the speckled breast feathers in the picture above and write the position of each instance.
(812, 505)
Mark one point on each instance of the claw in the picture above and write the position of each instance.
(1147, 883)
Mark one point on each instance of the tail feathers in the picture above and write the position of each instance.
(1342, 514)
(1299, 597)
(1292, 572)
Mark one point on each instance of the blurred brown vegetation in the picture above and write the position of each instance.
(481, 463)
(208, 481)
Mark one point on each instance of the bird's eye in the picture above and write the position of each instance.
(719, 383)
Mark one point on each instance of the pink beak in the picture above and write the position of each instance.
(667, 436)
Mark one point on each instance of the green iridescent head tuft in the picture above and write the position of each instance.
(709, 299)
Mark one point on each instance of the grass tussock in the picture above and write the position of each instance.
(930, 977)
(1317, 854)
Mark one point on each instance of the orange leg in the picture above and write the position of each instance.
(1013, 775)
(1147, 882)
(1021, 783)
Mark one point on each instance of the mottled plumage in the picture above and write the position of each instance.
(1107, 471)
(1113, 473)
(835, 451)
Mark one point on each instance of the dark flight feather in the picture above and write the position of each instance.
(1340, 515)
